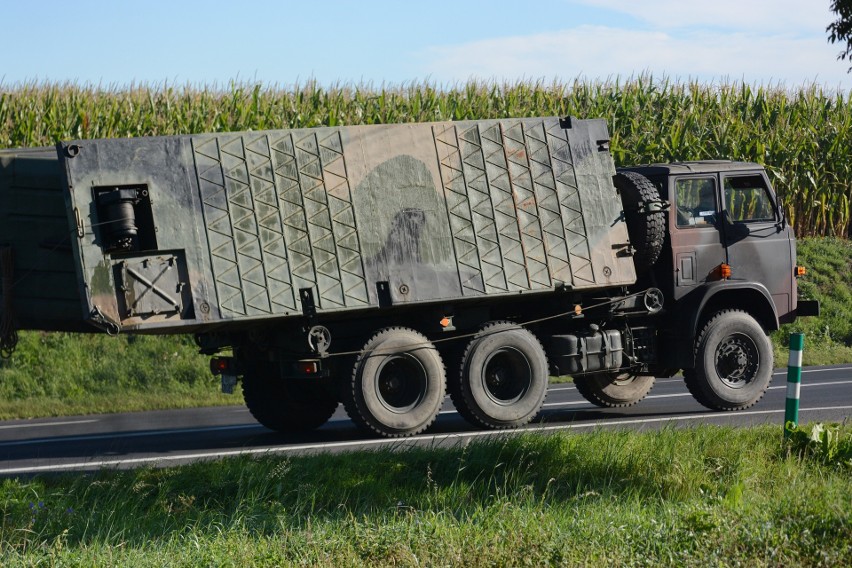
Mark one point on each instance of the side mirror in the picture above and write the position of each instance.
(782, 217)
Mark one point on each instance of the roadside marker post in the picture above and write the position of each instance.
(794, 381)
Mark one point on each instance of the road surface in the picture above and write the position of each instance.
(165, 438)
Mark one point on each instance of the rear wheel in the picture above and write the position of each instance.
(733, 362)
(503, 377)
(287, 405)
(397, 385)
(611, 390)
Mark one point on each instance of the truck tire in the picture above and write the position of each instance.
(398, 384)
(287, 406)
(502, 382)
(614, 390)
(647, 229)
(733, 362)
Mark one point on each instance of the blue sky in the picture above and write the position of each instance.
(118, 43)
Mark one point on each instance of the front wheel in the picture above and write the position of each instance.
(614, 390)
(733, 362)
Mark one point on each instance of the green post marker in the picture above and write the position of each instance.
(794, 380)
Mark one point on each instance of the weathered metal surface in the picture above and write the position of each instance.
(362, 217)
(152, 286)
(34, 223)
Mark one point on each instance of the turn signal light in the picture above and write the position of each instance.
(446, 323)
(725, 271)
(800, 271)
(220, 366)
(307, 367)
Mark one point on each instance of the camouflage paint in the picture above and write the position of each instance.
(426, 212)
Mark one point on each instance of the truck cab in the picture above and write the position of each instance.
(727, 249)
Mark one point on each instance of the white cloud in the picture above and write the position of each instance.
(603, 52)
(761, 16)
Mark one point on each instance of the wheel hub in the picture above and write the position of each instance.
(506, 376)
(737, 360)
(495, 378)
(401, 383)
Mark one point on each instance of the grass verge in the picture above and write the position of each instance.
(701, 496)
(828, 338)
(63, 374)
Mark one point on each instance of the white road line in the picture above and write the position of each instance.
(568, 387)
(43, 424)
(825, 384)
(783, 372)
(271, 450)
(779, 373)
(675, 395)
(684, 394)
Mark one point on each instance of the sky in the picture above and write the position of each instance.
(119, 43)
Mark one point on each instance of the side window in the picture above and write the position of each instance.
(747, 199)
(696, 201)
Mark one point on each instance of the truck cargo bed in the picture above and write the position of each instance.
(184, 233)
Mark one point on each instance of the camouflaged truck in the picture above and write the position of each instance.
(381, 266)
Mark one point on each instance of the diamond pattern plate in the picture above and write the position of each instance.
(278, 217)
(573, 222)
(513, 203)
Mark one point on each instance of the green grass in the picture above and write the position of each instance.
(707, 496)
(62, 374)
(828, 338)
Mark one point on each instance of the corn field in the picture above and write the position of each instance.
(803, 136)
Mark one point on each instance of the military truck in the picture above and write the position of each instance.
(382, 266)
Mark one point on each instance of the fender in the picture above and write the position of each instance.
(751, 297)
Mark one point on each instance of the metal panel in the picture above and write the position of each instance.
(422, 212)
(278, 217)
(34, 224)
(151, 286)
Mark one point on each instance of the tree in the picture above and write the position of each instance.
(841, 30)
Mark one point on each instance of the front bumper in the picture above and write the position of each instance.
(806, 308)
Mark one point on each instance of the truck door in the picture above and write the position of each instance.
(758, 242)
(697, 244)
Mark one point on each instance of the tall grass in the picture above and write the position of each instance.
(62, 374)
(828, 337)
(803, 136)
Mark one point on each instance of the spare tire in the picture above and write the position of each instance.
(645, 217)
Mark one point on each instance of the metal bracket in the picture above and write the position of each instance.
(319, 339)
(624, 249)
(651, 207)
(309, 307)
(228, 382)
(104, 322)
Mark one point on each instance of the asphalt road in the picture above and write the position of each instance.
(165, 438)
